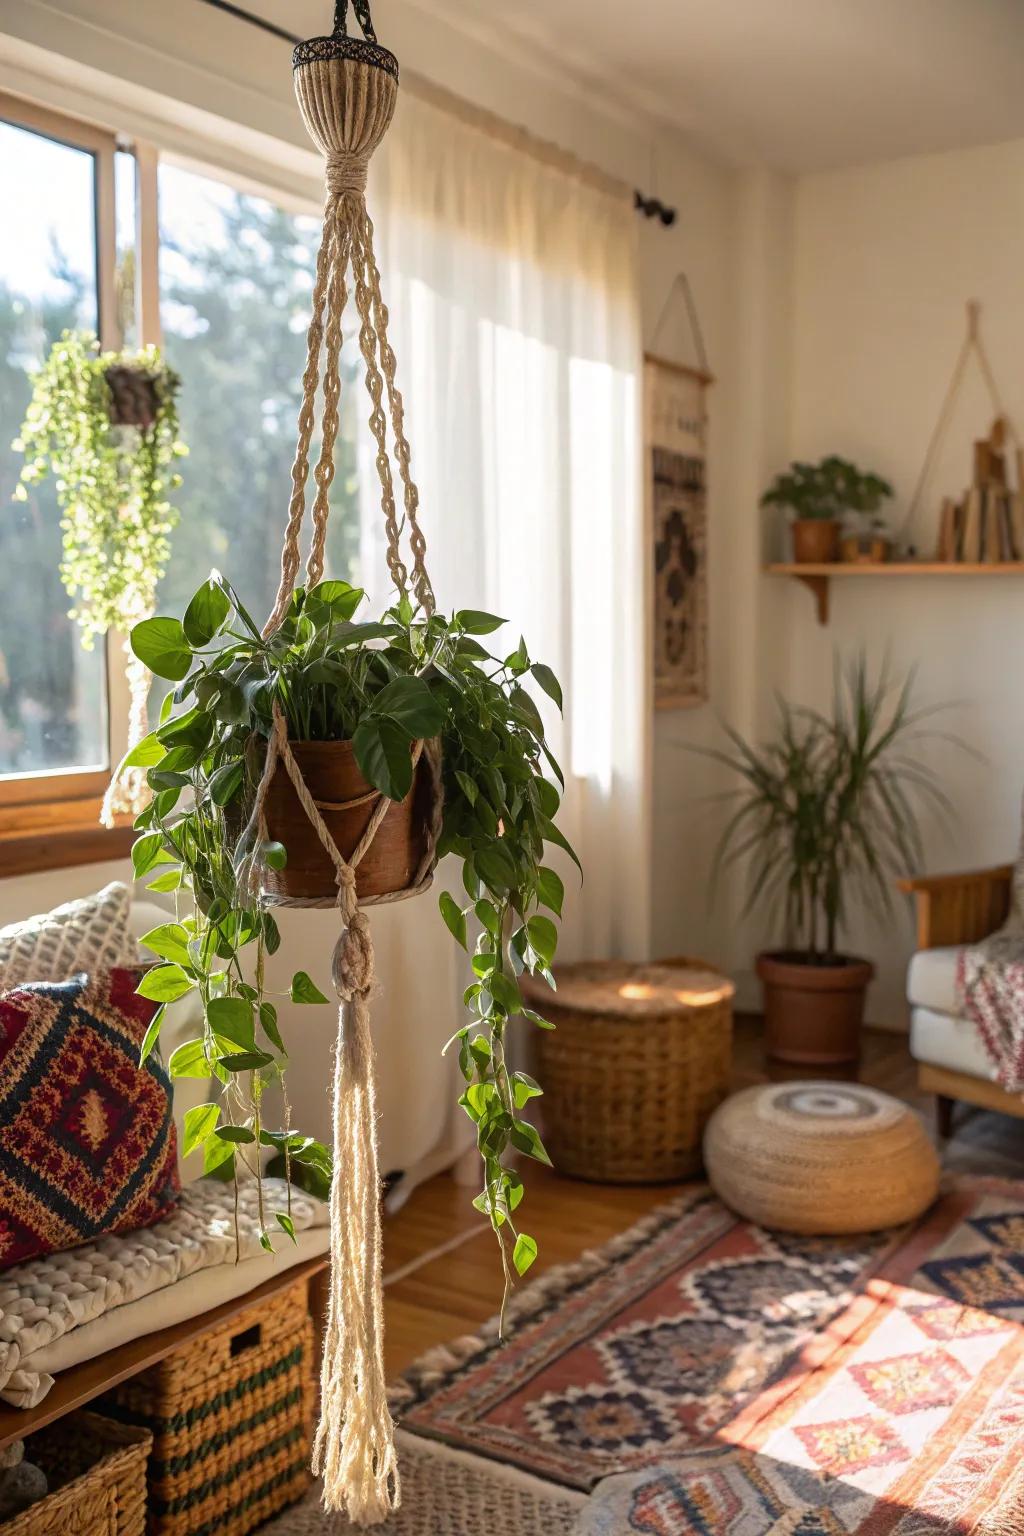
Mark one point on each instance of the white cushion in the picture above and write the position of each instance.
(931, 979)
(90, 934)
(943, 1040)
(190, 1297)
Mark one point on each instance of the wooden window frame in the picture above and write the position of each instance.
(50, 820)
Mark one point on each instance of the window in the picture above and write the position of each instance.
(139, 250)
(52, 691)
(236, 279)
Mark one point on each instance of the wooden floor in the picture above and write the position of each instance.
(454, 1293)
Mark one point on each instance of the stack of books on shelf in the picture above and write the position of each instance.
(986, 526)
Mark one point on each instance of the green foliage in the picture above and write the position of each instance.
(826, 490)
(382, 685)
(113, 481)
(829, 806)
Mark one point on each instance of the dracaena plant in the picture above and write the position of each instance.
(831, 805)
(382, 685)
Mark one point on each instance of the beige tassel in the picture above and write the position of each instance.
(355, 1450)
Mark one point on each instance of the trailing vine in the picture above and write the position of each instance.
(383, 685)
(105, 426)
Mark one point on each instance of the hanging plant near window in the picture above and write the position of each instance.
(105, 426)
(326, 760)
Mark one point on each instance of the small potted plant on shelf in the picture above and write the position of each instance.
(819, 496)
(371, 708)
(827, 807)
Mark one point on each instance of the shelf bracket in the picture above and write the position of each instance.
(818, 585)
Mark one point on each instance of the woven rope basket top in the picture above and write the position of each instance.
(638, 1060)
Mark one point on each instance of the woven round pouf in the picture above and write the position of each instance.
(639, 1058)
(820, 1158)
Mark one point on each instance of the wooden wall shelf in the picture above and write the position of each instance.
(818, 577)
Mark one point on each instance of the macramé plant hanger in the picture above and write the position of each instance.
(324, 762)
(347, 89)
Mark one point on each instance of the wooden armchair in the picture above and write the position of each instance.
(961, 909)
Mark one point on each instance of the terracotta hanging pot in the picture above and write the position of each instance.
(346, 802)
(815, 540)
(813, 1013)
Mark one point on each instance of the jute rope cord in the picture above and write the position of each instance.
(128, 793)
(973, 345)
(346, 89)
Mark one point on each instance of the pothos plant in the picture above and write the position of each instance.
(105, 426)
(383, 685)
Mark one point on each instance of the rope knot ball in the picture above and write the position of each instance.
(353, 959)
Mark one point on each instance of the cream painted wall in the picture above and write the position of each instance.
(885, 259)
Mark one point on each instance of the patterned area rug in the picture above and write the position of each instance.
(702, 1377)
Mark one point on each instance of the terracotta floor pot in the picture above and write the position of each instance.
(333, 778)
(815, 541)
(813, 1013)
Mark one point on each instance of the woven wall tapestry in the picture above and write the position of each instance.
(675, 436)
(677, 488)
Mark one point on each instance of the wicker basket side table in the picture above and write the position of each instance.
(97, 1476)
(638, 1060)
(231, 1419)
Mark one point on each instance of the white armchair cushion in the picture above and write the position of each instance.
(931, 979)
(943, 1040)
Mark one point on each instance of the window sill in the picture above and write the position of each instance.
(59, 836)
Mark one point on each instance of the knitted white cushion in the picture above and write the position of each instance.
(90, 934)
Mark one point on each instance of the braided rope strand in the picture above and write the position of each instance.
(420, 580)
(368, 342)
(307, 421)
(331, 417)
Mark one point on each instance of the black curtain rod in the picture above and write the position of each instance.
(255, 21)
(650, 207)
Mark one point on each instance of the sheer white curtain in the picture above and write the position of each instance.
(513, 294)
(514, 303)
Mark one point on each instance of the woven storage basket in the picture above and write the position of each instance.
(230, 1415)
(97, 1474)
(639, 1059)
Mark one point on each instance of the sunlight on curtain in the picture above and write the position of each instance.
(512, 288)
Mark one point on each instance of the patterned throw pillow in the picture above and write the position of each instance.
(87, 1141)
(90, 935)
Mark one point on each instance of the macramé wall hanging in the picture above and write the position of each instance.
(323, 761)
(675, 407)
(105, 426)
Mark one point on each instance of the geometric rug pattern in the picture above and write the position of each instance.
(703, 1377)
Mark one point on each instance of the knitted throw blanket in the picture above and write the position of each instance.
(990, 987)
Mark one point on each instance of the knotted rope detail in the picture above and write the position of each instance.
(354, 1447)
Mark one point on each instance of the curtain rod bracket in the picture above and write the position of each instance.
(654, 208)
